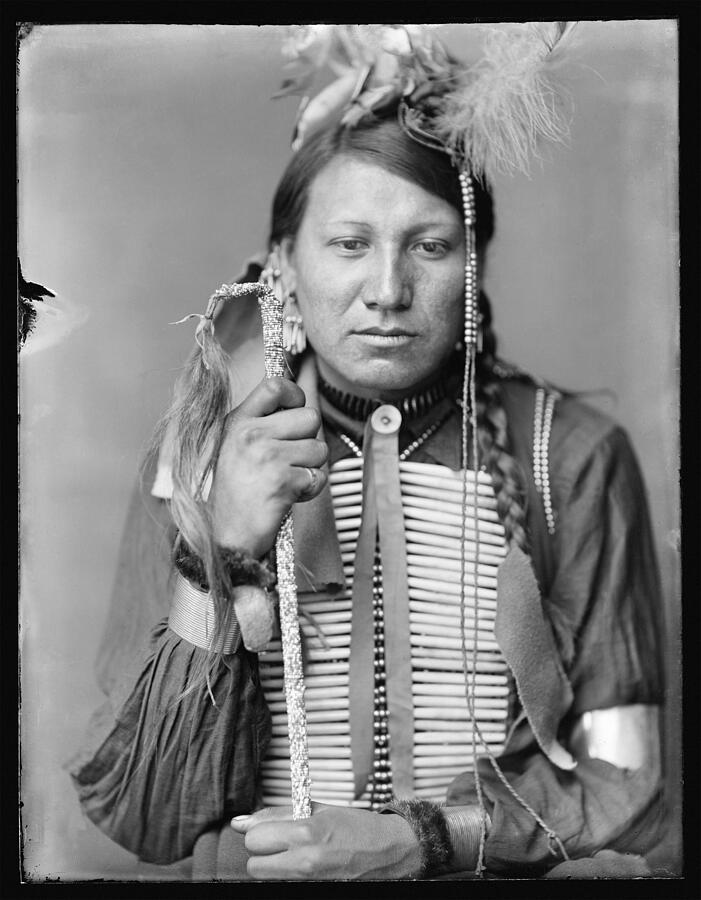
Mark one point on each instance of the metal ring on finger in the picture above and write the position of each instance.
(313, 482)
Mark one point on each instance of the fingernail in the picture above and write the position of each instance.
(239, 820)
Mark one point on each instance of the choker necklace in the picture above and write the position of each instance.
(359, 408)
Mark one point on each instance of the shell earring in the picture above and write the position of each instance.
(294, 337)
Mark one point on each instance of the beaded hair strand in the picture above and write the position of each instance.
(490, 426)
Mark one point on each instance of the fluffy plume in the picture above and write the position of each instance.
(505, 103)
(492, 113)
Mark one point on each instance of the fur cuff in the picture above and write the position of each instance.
(431, 831)
(240, 567)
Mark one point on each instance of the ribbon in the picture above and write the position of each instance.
(382, 517)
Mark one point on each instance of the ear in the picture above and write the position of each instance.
(287, 265)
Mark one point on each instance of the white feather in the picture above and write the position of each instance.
(506, 102)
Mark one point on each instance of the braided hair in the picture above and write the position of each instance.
(508, 479)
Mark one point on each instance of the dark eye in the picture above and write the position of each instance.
(349, 245)
(432, 248)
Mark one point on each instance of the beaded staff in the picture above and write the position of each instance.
(271, 313)
(271, 308)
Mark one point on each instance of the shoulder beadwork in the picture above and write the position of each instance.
(544, 409)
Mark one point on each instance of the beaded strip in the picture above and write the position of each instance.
(271, 314)
(381, 778)
(542, 427)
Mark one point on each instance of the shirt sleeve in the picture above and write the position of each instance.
(605, 606)
(162, 760)
(174, 760)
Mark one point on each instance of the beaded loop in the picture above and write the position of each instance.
(542, 426)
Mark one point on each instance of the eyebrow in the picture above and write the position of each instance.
(439, 223)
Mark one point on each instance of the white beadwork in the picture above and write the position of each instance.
(542, 426)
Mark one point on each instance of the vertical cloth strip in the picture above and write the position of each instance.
(383, 517)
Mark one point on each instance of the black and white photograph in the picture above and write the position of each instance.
(349, 448)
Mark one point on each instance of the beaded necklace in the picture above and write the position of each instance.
(411, 448)
(359, 408)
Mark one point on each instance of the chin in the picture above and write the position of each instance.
(384, 377)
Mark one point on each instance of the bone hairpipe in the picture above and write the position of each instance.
(484, 663)
(485, 678)
(454, 738)
(485, 500)
(436, 536)
(485, 598)
(437, 510)
(489, 532)
(425, 472)
(447, 589)
(432, 713)
(441, 547)
(446, 615)
(481, 690)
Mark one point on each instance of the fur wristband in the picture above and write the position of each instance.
(240, 567)
(429, 826)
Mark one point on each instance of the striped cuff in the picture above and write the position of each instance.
(463, 824)
(192, 618)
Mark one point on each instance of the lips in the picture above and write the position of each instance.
(387, 332)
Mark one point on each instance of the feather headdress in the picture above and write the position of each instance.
(488, 114)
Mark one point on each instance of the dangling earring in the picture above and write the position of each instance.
(294, 337)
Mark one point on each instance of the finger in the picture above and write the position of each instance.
(272, 836)
(307, 482)
(277, 813)
(308, 452)
(269, 395)
(285, 865)
(292, 424)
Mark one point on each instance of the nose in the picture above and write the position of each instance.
(388, 285)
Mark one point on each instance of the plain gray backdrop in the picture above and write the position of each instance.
(148, 156)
